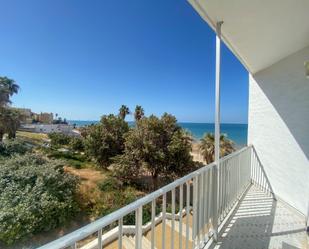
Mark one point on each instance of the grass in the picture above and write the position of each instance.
(100, 193)
(75, 160)
(32, 138)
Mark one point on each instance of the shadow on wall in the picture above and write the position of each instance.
(287, 88)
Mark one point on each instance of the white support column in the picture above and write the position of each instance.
(217, 131)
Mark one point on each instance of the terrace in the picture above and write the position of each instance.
(256, 197)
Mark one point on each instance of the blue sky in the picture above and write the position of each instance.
(82, 59)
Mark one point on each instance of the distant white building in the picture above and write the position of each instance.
(49, 128)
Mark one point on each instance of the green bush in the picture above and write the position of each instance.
(13, 146)
(36, 195)
(59, 139)
(75, 160)
(77, 144)
(109, 184)
(66, 155)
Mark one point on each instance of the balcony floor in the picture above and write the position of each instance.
(261, 222)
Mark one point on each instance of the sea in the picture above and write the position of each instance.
(236, 132)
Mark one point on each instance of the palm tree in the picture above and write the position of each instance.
(2, 124)
(14, 118)
(123, 111)
(139, 112)
(207, 146)
(8, 87)
(9, 122)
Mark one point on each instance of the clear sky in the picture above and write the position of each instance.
(82, 59)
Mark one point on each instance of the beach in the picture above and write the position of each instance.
(196, 154)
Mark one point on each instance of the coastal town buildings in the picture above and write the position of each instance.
(43, 122)
(45, 118)
(29, 117)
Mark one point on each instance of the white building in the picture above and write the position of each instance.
(48, 128)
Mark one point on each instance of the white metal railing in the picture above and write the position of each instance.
(191, 194)
(258, 175)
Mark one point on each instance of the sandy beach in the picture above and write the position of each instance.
(196, 152)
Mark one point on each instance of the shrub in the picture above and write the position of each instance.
(75, 160)
(36, 195)
(59, 139)
(77, 144)
(13, 146)
(110, 184)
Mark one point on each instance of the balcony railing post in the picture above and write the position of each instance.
(100, 244)
(215, 203)
(153, 215)
(138, 227)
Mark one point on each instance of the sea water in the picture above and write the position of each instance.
(236, 132)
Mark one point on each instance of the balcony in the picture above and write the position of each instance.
(232, 206)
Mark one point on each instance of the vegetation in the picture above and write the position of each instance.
(58, 139)
(156, 145)
(110, 159)
(36, 195)
(138, 113)
(100, 193)
(11, 147)
(40, 193)
(106, 139)
(76, 144)
(8, 87)
(207, 147)
(123, 112)
(9, 118)
(34, 139)
(72, 159)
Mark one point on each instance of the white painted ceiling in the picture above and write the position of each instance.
(259, 32)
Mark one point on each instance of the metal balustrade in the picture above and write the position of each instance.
(192, 195)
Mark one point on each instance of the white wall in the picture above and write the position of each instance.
(49, 128)
(279, 126)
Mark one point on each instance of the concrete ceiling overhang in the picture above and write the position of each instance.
(259, 32)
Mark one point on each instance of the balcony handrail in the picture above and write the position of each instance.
(97, 225)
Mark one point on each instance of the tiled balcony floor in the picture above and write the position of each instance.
(260, 222)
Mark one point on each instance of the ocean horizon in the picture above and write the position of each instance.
(236, 132)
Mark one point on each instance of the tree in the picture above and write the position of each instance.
(8, 87)
(124, 111)
(158, 146)
(106, 139)
(139, 113)
(58, 139)
(207, 147)
(180, 159)
(9, 122)
(9, 119)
